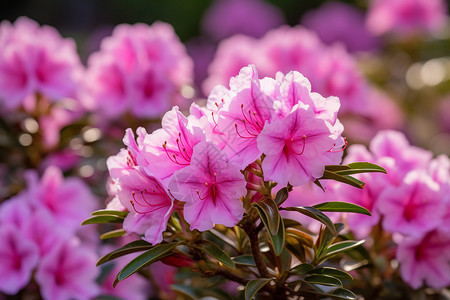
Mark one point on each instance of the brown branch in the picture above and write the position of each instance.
(254, 245)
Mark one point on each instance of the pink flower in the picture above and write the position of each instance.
(143, 195)
(297, 147)
(211, 188)
(340, 19)
(139, 69)
(251, 17)
(406, 16)
(68, 272)
(414, 207)
(425, 260)
(18, 258)
(35, 59)
(16, 211)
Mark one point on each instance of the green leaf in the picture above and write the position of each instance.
(144, 260)
(341, 247)
(103, 212)
(325, 238)
(302, 269)
(343, 178)
(330, 272)
(361, 167)
(135, 246)
(342, 207)
(103, 219)
(189, 291)
(341, 293)
(323, 280)
(301, 236)
(336, 168)
(253, 286)
(297, 249)
(113, 234)
(316, 214)
(281, 196)
(270, 210)
(278, 239)
(317, 182)
(246, 260)
(215, 251)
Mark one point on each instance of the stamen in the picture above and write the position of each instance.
(181, 150)
(343, 147)
(215, 123)
(174, 159)
(242, 110)
(245, 125)
(303, 148)
(177, 162)
(244, 137)
(198, 194)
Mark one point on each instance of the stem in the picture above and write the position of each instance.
(254, 245)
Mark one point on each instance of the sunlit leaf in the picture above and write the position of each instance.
(135, 246)
(278, 239)
(270, 210)
(323, 280)
(343, 294)
(331, 272)
(361, 167)
(102, 212)
(214, 250)
(314, 213)
(253, 286)
(341, 247)
(343, 178)
(113, 234)
(336, 206)
(304, 238)
(336, 168)
(103, 219)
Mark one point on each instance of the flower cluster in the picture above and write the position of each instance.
(196, 163)
(146, 80)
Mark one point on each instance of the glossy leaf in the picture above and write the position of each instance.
(103, 212)
(336, 206)
(144, 260)
(343, 178)
(277, 240)
(253, 286)
(317, 182)
(343, 294)
(297, 249)
(331, 272)
(303, 238)
(302, 269)
(270, 210)
(281, 196)
(336, 168)
(113, 234)
(323, 280)
(135, 246)
(246, 260)
(316, 214)
(103, 219)
(215, 251)
(341, 247)
(185, 290)
(361, 167)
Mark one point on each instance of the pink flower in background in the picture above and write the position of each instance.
(68, 272)
(18, 258)
(250, 17)
(211, 188)
(334, 20)
(406, 16)
(16, 211)
(425, 260)
(139, 69)
(35, 59)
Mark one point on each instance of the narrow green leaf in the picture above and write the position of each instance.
(301, 236)
(135, 246)
(343, 294)
(278, 239)
(341, 247)
(323, 280)
(335, 168)
(253, 286)
(246, 260)
(281, 196)
(215, 251)
(302, 269)
(325, 238)
(316, 214)
(297, 249)
(317, 182)
(102, 212)
(343, 178)
(342, 207)
(270, 210)
(144, 260)
(361, 167)
(103, 219)
(331, 272)
(189, 291)
(113, 234)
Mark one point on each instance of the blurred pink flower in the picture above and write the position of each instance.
(18, 258)
(250, 17)
(406, 17)
(35, 59)
(139, 69)
(211, 188)
(334, 20)
(425, 260)
(68, 271)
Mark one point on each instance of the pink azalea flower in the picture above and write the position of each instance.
(414, 207)
(425, 260)
(35, 59)
(211, 188)
(251, 17)
(139, 69)
(16, 211)
(142, 195)
(68, 272)
(297, 147)
(18, 258)
(406, 16)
